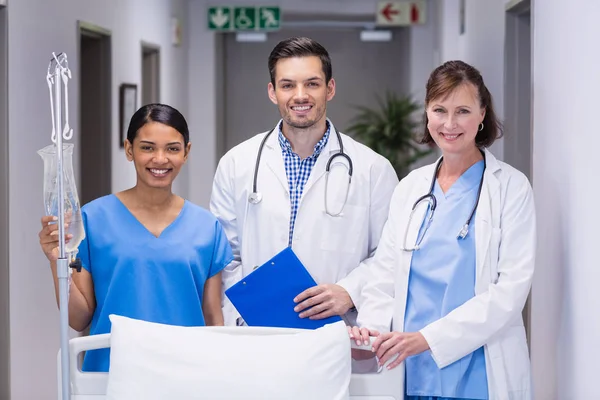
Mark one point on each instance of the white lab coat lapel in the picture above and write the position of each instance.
(421, 188)
(483, 216)
(332, 146)
(256, 247)
(273, 158)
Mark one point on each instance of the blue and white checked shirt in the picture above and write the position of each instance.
(298, 171)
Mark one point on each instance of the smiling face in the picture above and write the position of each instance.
(453, 121)
(300, 91)
(158, 153)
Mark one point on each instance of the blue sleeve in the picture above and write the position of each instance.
(222, 253)
(84, 248)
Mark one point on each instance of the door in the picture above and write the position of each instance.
(518, 122)
(150, 74)
(518, 100)
(95, 111)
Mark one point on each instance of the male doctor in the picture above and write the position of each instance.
(269, 192)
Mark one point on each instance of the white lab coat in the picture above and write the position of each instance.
(505, 237)
(331, 248)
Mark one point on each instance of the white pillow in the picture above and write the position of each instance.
(154, 361)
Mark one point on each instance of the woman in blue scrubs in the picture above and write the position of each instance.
(148, 253)
(454, 265)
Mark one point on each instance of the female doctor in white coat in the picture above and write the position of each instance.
(454, 277)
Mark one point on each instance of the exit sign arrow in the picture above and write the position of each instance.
(388, 12)
(219, 18)
(400, 13)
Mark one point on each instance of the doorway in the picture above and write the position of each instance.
(4, 215)
(518, 123)
(95, 115)
(150, 73)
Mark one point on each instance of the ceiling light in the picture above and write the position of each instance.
(251, 37)
(375, 36)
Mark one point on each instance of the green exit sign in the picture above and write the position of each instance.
(258, 18)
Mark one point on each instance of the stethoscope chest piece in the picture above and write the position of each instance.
(255, 198)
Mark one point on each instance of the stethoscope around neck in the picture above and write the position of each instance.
(256, 197)
(430, 198)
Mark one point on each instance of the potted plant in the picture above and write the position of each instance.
(391, 130)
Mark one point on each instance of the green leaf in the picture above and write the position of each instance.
(390, 129)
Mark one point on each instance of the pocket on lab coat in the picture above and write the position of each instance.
(515, 356)
(347, 232)
(494, 252)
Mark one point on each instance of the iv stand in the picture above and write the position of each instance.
(61, 73)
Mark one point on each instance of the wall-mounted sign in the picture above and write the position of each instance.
(400, 13)
(176, 32)
(258, 18)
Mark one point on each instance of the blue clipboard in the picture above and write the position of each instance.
(266, 296)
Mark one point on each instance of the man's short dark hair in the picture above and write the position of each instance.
(299, 47)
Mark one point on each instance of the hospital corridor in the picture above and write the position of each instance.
(311, 199)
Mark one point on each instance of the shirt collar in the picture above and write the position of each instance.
(286, 147)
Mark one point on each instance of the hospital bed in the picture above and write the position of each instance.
(385, 385)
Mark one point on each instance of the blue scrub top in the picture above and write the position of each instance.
(442, 277)
(137, 275)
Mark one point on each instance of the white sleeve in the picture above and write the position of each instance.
(383, 182)
(377, 306)
(222, 205)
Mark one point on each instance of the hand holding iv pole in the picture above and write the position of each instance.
(61, 203)
(60, 192)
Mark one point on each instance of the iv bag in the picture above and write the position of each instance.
(72, 209)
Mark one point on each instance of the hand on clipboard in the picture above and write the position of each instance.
(266, 296)
(323, 301)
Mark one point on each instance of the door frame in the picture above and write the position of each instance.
(515, 84)
(220, 97)
(4, 210)
(150, 47)
(90, 29)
